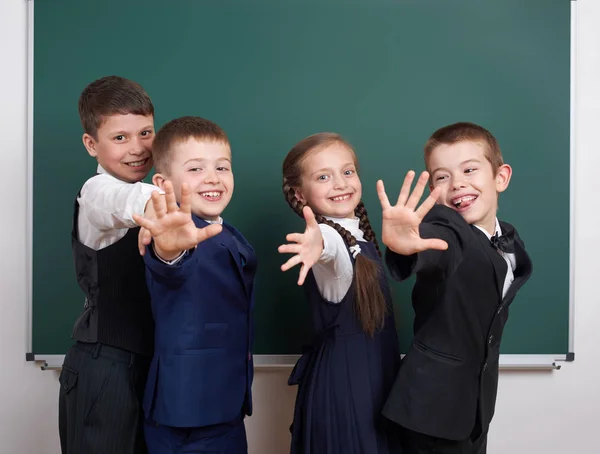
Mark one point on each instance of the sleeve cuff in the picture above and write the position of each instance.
(169, 262)
(146, 190)
(401, 267)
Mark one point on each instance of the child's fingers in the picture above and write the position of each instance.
(170, 199)
(303, 272)
(293, 237)
(383, 198)
(144, 238)
(289, 249)
(309, 216)
(143, 222)
(147, 238)
(428, 203)
(186, 199)
(417, 193)
(141, 247)
(208, 232)
(158, 202)
(291, 263)
(405, 189)
(140, 220)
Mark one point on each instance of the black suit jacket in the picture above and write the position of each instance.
(449, 377)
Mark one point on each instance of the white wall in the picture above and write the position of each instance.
(548, 413)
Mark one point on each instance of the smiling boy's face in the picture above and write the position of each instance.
(467, 181)
(123, 146)
(205, 165)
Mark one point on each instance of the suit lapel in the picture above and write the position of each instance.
(227, 240)
(500, 266)
(524, 267)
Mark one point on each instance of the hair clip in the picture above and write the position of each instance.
(355, 250)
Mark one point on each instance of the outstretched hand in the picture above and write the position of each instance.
(144, 235)
(400, 226)
(144, 239)
(308, 246)
(173, 229)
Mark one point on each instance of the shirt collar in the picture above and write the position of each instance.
(101, 170)
(347, 223)
(218, 221)
(498, 230)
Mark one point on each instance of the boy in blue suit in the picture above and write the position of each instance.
(199, 385)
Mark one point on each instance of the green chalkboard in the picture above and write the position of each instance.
(385, 74)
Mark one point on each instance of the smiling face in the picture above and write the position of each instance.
(329, 183)
(123, 145)
(205, 165)
(467, 181)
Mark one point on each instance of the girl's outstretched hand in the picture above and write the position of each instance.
(306, 246)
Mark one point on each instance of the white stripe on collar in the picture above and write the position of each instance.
(498, 230)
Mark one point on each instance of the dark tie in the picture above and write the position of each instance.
(504, 243)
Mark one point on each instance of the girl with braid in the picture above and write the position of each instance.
(348, 372)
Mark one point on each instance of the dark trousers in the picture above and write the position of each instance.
(418, 443)
(226, 438)
(100, 400)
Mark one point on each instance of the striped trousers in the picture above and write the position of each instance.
(100, 400)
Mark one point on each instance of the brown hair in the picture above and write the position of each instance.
(111, 95)
(370, 303)
(179, 130)
(460, 132)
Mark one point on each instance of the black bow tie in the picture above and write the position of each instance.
(504, 243)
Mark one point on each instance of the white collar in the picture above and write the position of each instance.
(101, 170)
(218, 221)
(347, 223)
(498, 230)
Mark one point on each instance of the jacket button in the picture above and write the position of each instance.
(491, 339)
(484, 366)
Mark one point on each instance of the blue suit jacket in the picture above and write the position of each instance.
(201, 372)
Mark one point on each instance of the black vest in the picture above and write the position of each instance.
(117, 308)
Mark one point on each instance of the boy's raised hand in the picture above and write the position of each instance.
(173, 229)
(308, 246)
(144, 235)
(400, 226)
(144, 239)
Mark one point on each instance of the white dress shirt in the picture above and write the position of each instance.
(334, 271)
(510, 259)
(107, 206)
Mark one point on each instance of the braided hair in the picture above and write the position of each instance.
(370, 304)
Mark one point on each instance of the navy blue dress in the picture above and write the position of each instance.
(344, 378)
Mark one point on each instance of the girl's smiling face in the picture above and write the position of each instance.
(330, 183)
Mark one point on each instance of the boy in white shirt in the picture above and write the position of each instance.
(104, 373)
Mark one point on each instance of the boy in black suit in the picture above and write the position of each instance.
(469, 267)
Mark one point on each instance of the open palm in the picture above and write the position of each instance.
(307, 246)
(173, 229)
(400, 225)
